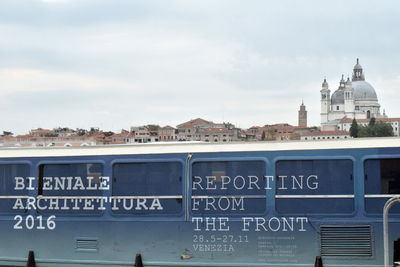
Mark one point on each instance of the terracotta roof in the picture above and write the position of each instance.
(194, 123)
(283, 127)
(168, 127)
(121, 135)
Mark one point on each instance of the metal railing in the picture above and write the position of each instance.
(386, 208)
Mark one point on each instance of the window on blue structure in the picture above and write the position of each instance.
(314, 186)
(382, 180)
(13, 187)
(228, 188)
(147, 188)
(73, 188)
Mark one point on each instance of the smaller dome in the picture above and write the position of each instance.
(337, 97)
(357, 66)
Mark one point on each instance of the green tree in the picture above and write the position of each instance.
(372, 122)
(375, 129)
(383, 129)
(80, 132)
(354, 129)
(7, 133)
(363, 131)
(153, 127)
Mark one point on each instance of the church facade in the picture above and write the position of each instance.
(353, 99)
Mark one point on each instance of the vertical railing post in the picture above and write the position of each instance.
(187, 201)
(386, 209)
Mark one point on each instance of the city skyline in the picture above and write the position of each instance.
(113, 65)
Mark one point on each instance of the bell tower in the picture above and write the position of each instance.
(325, 101)
(349, 108)
(358, 74)
(302, 115)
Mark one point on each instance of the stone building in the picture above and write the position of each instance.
(208, 131)
(355, 98)
(302, 116)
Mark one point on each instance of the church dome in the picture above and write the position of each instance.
(338, 97)
(364, 91)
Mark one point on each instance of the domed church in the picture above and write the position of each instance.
(354, 98)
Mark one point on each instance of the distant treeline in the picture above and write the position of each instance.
(373, 129)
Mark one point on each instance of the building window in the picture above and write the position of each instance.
(382, 177)
(8, 172)
(337, 107)
(149, 188)
(300, 183)
(58, 175)
(233, 188)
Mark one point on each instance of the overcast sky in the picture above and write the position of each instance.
(116, 64)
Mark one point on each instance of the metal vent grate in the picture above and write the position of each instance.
(338, 240)
(87, 244)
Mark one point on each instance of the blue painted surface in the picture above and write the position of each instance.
(164, 237)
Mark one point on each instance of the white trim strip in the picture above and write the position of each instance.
(314, 196)
(93, 197)
(12, 197)
(195, 197)
(381, 195)
(230, 196)
(146, 197)
(70, 197)
(155, 148)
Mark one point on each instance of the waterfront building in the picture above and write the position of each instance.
(207, 131)
(355, 98)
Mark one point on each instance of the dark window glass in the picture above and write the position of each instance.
(302, 184)
(75, 188)
(148, 188)
(10, 187)
(382, 177)
(229, 188)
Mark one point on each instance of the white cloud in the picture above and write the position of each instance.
(118, 63)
